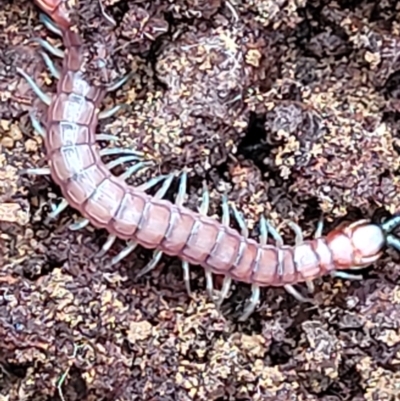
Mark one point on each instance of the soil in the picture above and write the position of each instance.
(291, 109)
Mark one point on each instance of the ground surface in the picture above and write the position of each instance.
(291, 108)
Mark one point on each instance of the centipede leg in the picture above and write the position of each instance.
(226, 284)
(255, 297)
(119, 151)
(64, 204)
(106, 137)
(50, 48)
(203, 209)
(79, 225)
(179, 202)
(346, 276)
(109, 113)
(50, 65)
(159, 195)
(255, 290)
(297, 231)
(279, 241)
(244, 231)
(57, 210)
(38, 127)
(336, 273)
(35, 171)
(291, 290)
(128, 249)
(132, 245)
(274, 234)
(320, 228)
(299, 240)
(84, 222)
(263, 238)
(107, 245)
(110, 165)
(43, 96)
(116, 85)
(49, 24)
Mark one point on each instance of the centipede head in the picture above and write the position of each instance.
(356, 245)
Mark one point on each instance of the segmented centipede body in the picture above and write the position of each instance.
(129, 213)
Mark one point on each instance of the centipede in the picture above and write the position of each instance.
(130, 214)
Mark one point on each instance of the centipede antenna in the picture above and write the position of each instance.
(389, 225)
(43, 96)
(49, 24)
(393, 242)
(50, 65)
(50, 48)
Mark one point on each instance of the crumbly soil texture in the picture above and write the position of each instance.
(291, 109)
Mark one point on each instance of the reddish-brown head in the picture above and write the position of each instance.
(56, 10)
(356, 245)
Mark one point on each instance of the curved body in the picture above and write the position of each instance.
(129, 213)
(110, 203)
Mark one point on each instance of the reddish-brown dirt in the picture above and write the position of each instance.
(289, 107)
